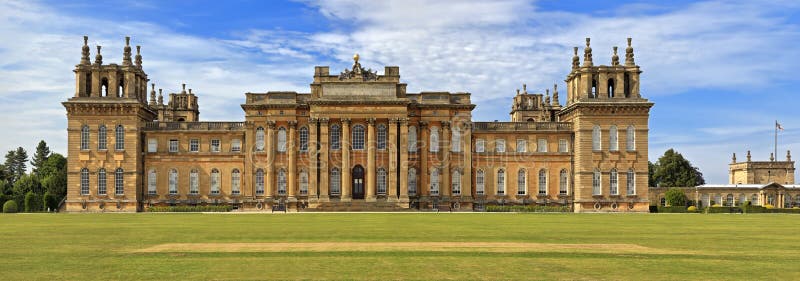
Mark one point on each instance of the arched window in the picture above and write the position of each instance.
(260, 182)
(151, 182)
(173, 181)
(120, 138)
(412, 181)
(336, 182)
(104, 87)
(121, 90)
(236, 180)
(303, 182)
(455, 139)
(84, 181)
(593, 94)
(335, 135)
(742, 198)
(455, 182)
(521, 186)
(102, 138)
(542, 182)
(596, 138)
(260, 139)
(412, 139)
(596, 183)
(613, 144)
(754, 200)
(194, 182)
(281, 182)
(84, 137)
(631, 186)
(613, 180)
(611, 88)
(630, 144)
(435, 182)
(563, 182)
(358, 137)
(663, 202)
(215, 179)
(303, 139)
(501, 182)
(381, 181)
(381, 136)
(282, 139)
(119, 181)
(434, 145)
(729, 200)
(480, 186)
(101, 182)
(787, 201)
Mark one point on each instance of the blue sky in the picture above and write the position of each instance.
(720, 72)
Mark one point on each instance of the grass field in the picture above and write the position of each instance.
(399, 246)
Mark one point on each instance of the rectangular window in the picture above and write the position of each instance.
(236, 145)
(215, 145)
(173, 145)
(522, 145)
(194, 145)
(152, 145)
(542, 145)
(562, 145)
(500, 145)
(480, 145)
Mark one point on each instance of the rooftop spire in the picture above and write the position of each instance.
(85, 51)
(734, 158)
(788, 156)
(184, 88)
(629, 54)
(771, 156)
(555, 94)
(576, 61)
(98, 59)
(524, 88)
(126, 52)
(518, 92)
(748, 156)
(547, 97)
(138, 56)
(587, 54)
(153, 95)
(615, 57)
(160, 97)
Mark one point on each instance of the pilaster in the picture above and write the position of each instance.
(291, 146)
(391, 188)
(403, 160)
(323, 156)
(370, 196)
(346, 166)
(269, 181)
(313, 142)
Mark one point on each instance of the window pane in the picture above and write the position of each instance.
(303, 139)
(282, 139)
(412, 139)
(120, 138)
(381, 143)
(260, 139)
(358, 137)
(522, 145)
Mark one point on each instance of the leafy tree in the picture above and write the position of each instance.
(41, 155)
(10, 207)
(651, 168)
(53, 175)
(27, 183)
(55, 164)
(675, 197)
(699, 180)
(672, 170)
(3, 172)
(33, 203)
(50, 202)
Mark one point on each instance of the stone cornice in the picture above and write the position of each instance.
(617, 107)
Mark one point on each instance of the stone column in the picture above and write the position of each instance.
(391, 145)
(466, 149)
(422, 174)
(346, 169)
(370, 196)
(291, 147)
(444, 188)
(404, 160)
(323, 156)
(269, 181)
(312, 159)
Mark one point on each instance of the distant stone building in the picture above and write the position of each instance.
(759, 182)
(357, 141)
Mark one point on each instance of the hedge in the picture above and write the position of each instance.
(671, 209)
(183, 209)
(750, 209)
(10, 207)
(528, 209)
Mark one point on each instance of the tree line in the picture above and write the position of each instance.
(40, 190)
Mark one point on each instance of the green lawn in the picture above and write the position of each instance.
(100, 246)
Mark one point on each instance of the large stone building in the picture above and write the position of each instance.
(758, 182)
(358, 141)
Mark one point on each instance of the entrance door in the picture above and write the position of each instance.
(358, 182)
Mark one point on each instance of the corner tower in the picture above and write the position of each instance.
(104, 119)
(610, 123)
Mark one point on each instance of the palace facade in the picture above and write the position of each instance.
(357, 141)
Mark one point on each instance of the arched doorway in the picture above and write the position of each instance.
(358, 182)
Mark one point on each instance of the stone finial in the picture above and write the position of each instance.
(138, 58)
(518, 92)
(153, 95)
(587, 54)
(126, 52)
(85, 51)
(184, 88)
(734, 158)
(555, 94)
(615, 57)
(547, 97)
(788, 156)
(576, 61)
(160, 97)
(98, 59)
(748, 156)
(629, 54)
(190, 91)
(524, 88)
(771, 156)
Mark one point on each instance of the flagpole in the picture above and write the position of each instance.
(776, 140)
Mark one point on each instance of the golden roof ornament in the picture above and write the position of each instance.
(358, 72)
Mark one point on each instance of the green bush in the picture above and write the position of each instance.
(183, 209)
(528, 209)
(691, 209)
(33, 203)
(10, 207)
(50, 202)
(675, 197)
(723, 210)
